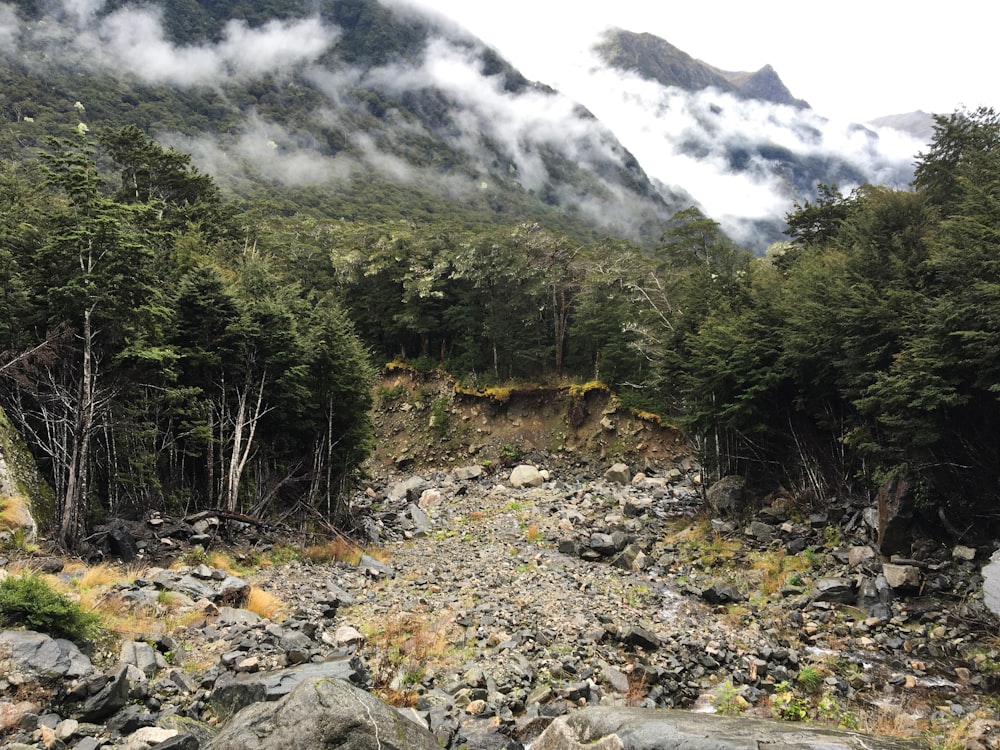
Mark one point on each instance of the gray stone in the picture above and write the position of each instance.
(721, 593)
(637, 507)
(45, 656)
(233, 591)
(179, 742)
(601, 728)
(641, 637)
(234, 693)
(141, 655)
(186, 584)
(841, 590)
(902, 576)
(374, 568)
(858, 555)
(408, 490)
(762, 532)
(233, 616)
(110, 699)
(728, 495)
(619, 473)
(615, 678)
(991, 583)
(961, 552)
(323, 713)
(607, 544)
(464, 473)
(631, 558)
(421, 521)
(526, 476)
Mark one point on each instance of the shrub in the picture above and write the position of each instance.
(27, 600)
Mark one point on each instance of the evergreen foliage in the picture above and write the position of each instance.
(153, 360)
(163, 348)
(27, 600)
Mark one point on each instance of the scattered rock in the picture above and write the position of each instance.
(602, 728)
(526, 476)
(902, 576)
(619, 474)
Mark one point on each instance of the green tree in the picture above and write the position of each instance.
(92, 277)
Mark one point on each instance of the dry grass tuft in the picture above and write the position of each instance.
(533, 533)
(97, 576)
(264, 604)
(338, 549)
(400, 650)
(15, 512)
(224, 562)
(891, 720)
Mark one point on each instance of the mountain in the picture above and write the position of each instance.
(354, 108)
(741, 144)
(364, 110)
(658, 60)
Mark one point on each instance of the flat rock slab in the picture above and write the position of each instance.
(991, 583)
(53, 658)
(234, 693)
(320, 714)
(663, 729)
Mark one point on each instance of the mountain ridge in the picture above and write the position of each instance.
(658, 60)
(355, 109)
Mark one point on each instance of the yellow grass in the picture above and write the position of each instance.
(264, 604)
(15, 512)
(224, 562)
(337, 549)
(99, 575)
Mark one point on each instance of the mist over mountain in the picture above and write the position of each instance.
(741, 143)
(368, 106)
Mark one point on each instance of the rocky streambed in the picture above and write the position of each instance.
(502, 604)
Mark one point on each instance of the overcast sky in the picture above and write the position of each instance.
(853, 59)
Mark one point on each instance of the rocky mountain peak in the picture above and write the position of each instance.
(656, 59)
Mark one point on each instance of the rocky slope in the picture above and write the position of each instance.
(499, 598)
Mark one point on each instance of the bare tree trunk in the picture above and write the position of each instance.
(77, 477)
(243, 432)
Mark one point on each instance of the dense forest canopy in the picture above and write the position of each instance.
(166, 349)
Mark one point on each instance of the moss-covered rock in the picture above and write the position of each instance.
(25, 498)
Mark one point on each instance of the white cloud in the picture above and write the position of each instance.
(10, 27)
(131, 42)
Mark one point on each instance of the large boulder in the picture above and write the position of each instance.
(320, 714)
(601, 728)
(234, 693)
(52, 658)
(727, 496)
(526, 476)
(619, 473)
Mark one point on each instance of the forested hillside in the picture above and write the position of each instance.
(155, 354)
(343, 109)
(173, 340)
(163, 349)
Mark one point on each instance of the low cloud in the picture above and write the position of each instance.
(697, 140)
(131, 42)
(10, 27)
(744, 162)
